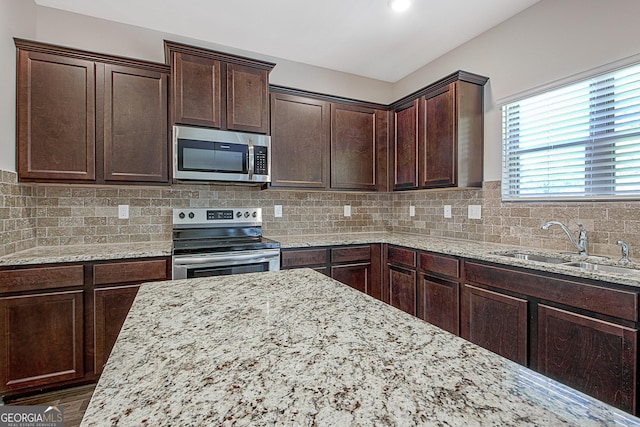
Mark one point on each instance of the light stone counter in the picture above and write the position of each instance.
(296, 348)
(80, 253)
(483, 251)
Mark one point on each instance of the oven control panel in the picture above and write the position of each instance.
(214, 216)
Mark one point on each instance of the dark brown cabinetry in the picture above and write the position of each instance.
(401, 283)
(353, 146)
(496, 322)
(218, 90)
(326, 142)
(583, 334)
(439, 291)
(438, 138)
(300, 138)
(115, 287)
(357, 266)
(405, 146)
(88, 117)
(59, 322)
(42, 321)
(588, 354)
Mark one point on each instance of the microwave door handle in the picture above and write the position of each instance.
(250, 159)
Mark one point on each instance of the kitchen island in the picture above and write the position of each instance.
(298, 348)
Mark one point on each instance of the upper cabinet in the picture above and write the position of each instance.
(438, 135)
(326, 142)
(218, 90)
(86, 117)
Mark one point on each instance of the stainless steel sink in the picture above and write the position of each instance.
(549, 259)
(589, 266)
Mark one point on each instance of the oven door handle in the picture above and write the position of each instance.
(226, 257)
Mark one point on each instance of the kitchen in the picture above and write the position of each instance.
(46, 215)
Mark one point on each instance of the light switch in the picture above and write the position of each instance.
(447, 211)
(412, 211)
(277, 211)
(475, 212)
(347, 210)
(123, 211)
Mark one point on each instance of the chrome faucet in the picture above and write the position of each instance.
(581, 244)
(625, 251)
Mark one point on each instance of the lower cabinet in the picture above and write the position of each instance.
(439, 291)
(42, 339)
(580, 333)
(590, 355)
(355, 265)
(58, 323)
(111, 306)
(496, 322)
(401, 279)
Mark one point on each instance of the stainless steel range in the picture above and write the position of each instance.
(215, 242)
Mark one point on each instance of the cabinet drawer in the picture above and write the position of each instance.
(443, 265)
(598, 299)
(351, 254)
(129, 272)
(303, 258)
(396, 255)
(30, 279)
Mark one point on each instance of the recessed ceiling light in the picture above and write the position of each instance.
(399, 5)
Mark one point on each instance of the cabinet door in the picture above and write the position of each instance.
(55, 117)
(299, 141)
(590, 355)
(438, 161)
(402, 289)
(353, 147)
(136, 147)
(358, 276)
(496, 322)
(405, 147)
(111, 306)
(247, 98)
(439, 303)
(42, 339)
(197, 90)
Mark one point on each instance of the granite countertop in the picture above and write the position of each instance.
(79, 253)
(462, 248)
(484, 251)
(295, 347)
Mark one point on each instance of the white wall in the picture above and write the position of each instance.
(551, 40)
(98, 35)
(17, 19)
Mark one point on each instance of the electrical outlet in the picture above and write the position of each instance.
(123, 211)
(447, 211)
(475, 212)
(277, 211)
(347, 210)
(412, 211)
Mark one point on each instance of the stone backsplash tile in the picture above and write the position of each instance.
(17, 219)
(44, 214)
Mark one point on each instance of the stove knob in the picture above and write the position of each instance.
(181, 215)
(191, 215)
(239, 214)
(254, 214)
(246, 214)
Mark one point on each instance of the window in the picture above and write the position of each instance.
(577, 141)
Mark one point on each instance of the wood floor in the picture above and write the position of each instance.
(73, 400)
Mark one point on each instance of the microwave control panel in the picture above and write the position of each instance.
(260, 161)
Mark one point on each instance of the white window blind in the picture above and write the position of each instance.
(578, 141)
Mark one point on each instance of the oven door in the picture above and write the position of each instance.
(225, 263)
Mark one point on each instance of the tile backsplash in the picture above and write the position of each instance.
(54, 214)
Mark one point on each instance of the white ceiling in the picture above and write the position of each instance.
(362, 37)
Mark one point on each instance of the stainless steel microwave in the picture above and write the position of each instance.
(218, 155)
